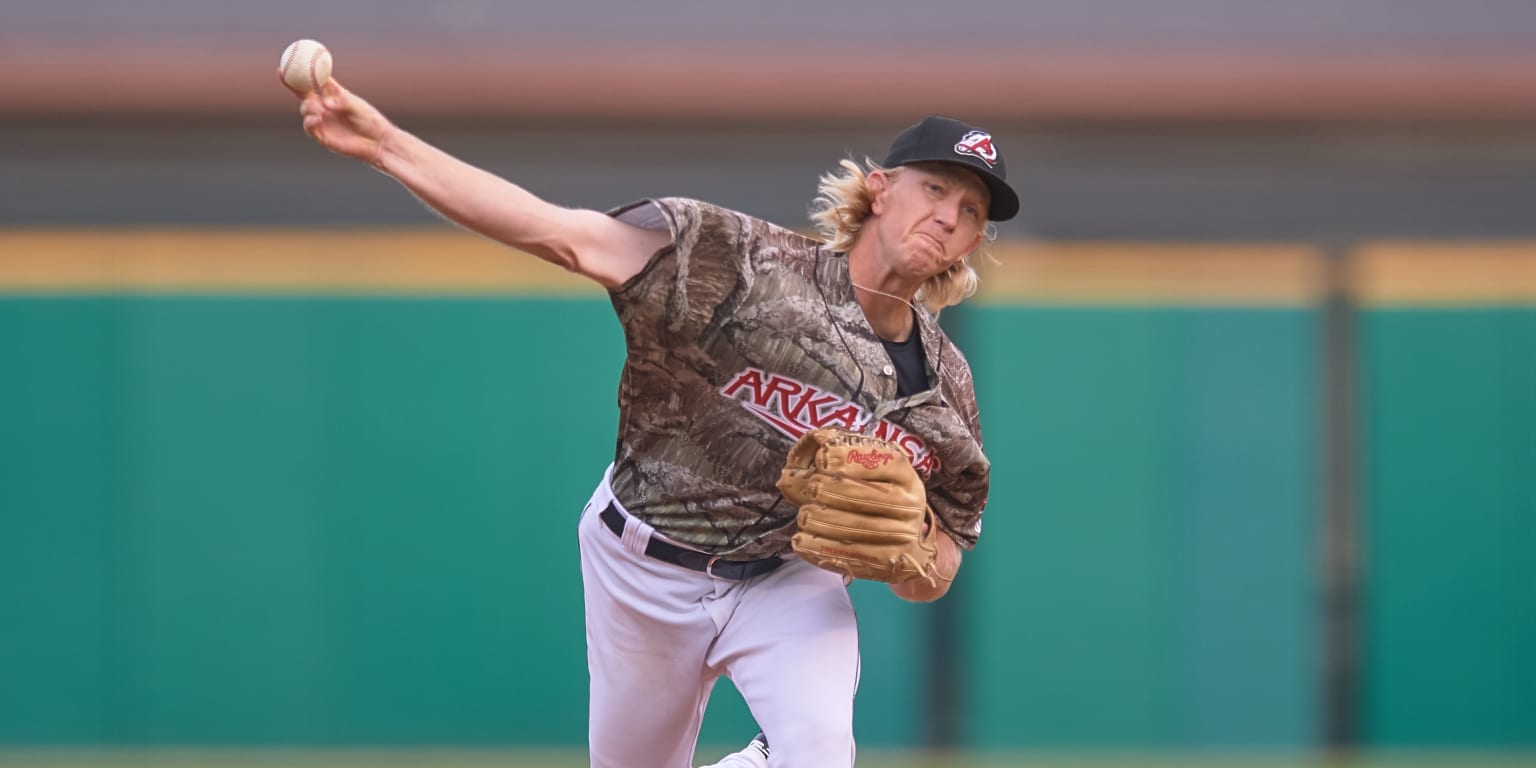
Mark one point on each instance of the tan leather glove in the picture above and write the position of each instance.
(863, 509)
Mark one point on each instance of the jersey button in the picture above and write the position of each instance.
(887, 370)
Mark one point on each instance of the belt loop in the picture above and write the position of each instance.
(636, 534)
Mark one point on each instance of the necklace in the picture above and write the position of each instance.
(907, 302)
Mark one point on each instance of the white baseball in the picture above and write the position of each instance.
(306, 65)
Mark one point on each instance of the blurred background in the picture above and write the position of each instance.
(289, 468)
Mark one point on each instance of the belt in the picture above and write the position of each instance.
(735, 570)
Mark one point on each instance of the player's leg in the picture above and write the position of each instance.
(647, 635)
(753, 755)
(792, 650)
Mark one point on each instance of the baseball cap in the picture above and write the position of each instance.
(946, 140)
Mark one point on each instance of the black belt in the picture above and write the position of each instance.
(735, 570)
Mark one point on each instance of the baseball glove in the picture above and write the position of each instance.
(863, 509)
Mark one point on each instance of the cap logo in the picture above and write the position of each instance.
(978, 144)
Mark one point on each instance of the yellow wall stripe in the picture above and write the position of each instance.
(263, 261)
(449, 261)
(1434, 274)
(1177, 273)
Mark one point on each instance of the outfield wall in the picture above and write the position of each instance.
(319, 488)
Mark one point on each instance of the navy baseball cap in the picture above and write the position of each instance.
(944, 140)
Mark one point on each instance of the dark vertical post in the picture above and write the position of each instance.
(1339, 544)
(943, 668)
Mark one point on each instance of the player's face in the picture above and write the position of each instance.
(931, 215)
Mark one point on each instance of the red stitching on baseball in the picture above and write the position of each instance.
(293, 53)
(314, 77)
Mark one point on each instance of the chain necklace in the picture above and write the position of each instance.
(907, 302)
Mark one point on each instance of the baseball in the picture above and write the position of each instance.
(306, 65)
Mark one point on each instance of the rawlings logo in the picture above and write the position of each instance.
(978, 144)
(872, 459)
(795, 408)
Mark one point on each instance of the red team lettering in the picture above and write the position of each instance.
(794, 408)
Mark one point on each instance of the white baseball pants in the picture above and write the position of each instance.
(660, 635)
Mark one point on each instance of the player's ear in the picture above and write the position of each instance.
(879, 183)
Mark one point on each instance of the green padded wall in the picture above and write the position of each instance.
(319, 520)
(59, 506)
(1146, 572)
(296, 520)
(268, 520)
(1450, 511)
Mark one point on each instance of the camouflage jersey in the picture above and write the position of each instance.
(742, 336)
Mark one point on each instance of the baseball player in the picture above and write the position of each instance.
(791, 416)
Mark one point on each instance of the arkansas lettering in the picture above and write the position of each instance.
(794, 408)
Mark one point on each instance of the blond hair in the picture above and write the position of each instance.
(844, 202)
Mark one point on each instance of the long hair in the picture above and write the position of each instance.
(844, 202)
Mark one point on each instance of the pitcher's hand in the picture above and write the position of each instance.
(343, 122)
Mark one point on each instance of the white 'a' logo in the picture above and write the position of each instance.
(978, 144)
